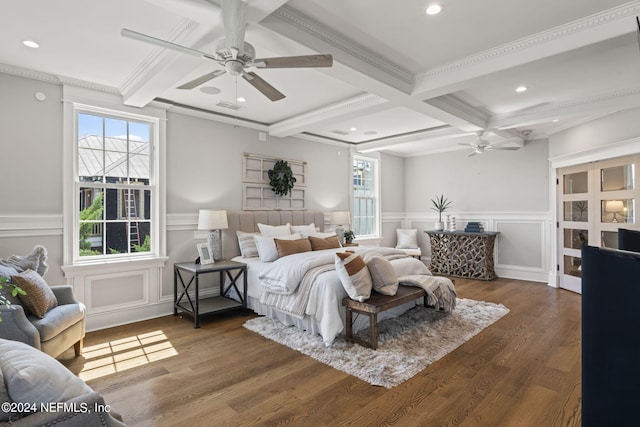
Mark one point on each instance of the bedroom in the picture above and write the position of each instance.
(511, 190)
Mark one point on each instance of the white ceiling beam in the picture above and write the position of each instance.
(466, 72)
(612, 101)
(343, 110)
(357, 65)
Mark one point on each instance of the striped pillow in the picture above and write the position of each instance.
(354, 275)
(247, 245)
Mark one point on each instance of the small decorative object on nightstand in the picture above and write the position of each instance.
(348, 238)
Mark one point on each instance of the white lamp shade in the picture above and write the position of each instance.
(209, 219)
(613, 206)
(340, 218)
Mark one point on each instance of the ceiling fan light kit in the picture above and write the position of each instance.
(234, 60)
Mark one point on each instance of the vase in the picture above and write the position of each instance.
(439, 225)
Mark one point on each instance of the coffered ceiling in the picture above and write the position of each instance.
(401, 81)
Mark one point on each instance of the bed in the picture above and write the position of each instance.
(321, 312)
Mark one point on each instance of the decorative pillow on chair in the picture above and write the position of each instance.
(34, 377)
(407, 239)
(383, 275)
(320, 243)
(354, 275)
(36, 260)
(247, 244)
(288, 247)
(274, 230)
(39, 298)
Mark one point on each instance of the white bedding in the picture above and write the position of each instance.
(323, 313)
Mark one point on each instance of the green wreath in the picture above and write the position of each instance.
(281, 178)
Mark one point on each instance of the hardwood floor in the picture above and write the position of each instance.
(524, 370)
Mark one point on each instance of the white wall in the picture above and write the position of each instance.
(392, 197)
(507, 191)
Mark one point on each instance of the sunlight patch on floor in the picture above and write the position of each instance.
(126, 353)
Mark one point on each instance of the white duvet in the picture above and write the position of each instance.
(324, 303)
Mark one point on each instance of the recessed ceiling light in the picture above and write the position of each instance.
(31, 44)
(241, 99)
(555, 120)
(210, 90)
(521, 89)
(433, 9)
(353, 129)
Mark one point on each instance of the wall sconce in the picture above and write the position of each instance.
(614, 206)
(214, 221)
(339, 219)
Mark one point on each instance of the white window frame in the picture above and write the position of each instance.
(79, 100)
(376, 185)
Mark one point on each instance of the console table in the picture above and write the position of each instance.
(462, 254)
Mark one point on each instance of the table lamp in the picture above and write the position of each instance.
(339, 219)
(214, 221)
(614, 206)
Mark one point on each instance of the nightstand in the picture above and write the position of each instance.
(195, 306)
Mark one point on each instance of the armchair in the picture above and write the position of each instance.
(60, 328)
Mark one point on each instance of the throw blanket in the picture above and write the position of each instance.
(441, 293)
(296, 303)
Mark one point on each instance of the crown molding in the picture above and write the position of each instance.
(29, 74)
(319, 31)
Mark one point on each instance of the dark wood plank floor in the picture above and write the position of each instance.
(524, 370)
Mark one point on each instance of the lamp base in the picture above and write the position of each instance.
(340, 234)
(215, 243)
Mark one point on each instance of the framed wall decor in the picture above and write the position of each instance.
(206, 254)
(256, 190)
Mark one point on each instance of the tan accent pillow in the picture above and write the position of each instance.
(354, 275)
(39, 298)
(383, 275)
(289, 247)
(319, 243)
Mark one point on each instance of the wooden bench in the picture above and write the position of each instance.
(374, 305)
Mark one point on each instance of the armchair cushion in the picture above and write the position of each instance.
(39, 297)
(58, 320)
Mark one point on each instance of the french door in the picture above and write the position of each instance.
(594, 200)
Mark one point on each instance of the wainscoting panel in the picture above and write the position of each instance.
(116, 291)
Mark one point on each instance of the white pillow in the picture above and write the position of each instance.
(354, 275)
(407, 239)
(408, 266)
(274, 230)
(34, 377)
(319, 234)
(247, 244)
(383, 275)
(304, 229)
(267, 250)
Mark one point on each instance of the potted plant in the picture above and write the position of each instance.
(349, 236)
(440, 204)
(14, 290)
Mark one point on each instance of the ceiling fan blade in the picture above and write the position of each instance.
(163, 43)
(234, 19)
(202, 79)
(265, 88)
(506, 148)
(322, 60)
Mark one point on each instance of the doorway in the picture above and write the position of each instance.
(594, 200)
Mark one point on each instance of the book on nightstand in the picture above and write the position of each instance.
(474, 227)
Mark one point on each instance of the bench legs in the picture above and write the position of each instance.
(373, 329)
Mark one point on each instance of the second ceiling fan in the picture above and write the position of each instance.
(235, 55)
(483, 144)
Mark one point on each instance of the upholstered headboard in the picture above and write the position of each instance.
(248, 221)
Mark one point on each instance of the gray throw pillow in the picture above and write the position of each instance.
(383, 275)
(34, 377)
(36, 261)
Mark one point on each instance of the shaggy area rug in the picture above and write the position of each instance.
(406, 344)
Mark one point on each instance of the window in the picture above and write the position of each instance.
(365, 196)
(115, 195)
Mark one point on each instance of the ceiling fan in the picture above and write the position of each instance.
(483, 145)
(235, 55)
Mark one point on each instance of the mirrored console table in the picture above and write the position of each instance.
(462, 254)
